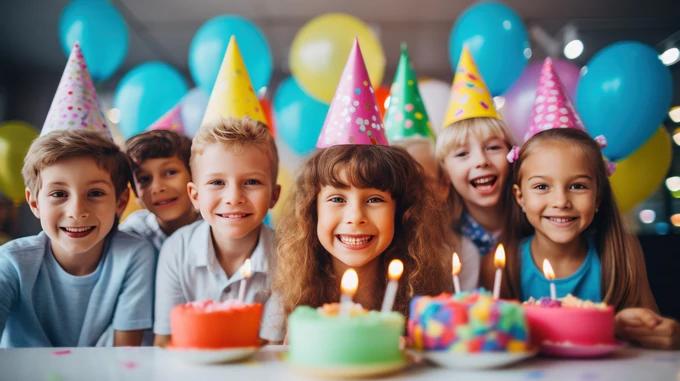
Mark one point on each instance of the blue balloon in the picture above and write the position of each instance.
(624, 94)
(210, 43)
(299, 117)
(497, 39)
(145, 94)
(101, 31)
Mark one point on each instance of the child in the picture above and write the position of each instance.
(472, 149)
(80, 275)
(234, 165)
(159, 161)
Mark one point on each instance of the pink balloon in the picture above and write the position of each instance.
(520, 97)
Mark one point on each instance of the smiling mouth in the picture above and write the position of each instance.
(77, 232)
(165, 202)
(234, 216)
(561, 220)
(484, 182)
(355, 242)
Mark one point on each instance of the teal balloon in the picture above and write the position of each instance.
(210, 43)
(101, 31)
(299, 117)
(498, 41)
(624, 94)
(145, 94)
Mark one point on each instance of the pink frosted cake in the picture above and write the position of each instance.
(570, 320)
(468, 322)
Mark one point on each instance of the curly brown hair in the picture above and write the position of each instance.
(304, 272)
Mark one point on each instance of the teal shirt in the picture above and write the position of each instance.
(585, 283)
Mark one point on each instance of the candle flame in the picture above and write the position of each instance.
(548, 270)
(499, 257)
(349, 282)
(455, 264)
(395, 269)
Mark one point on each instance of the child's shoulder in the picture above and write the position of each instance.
(124, 243)
(24, 248)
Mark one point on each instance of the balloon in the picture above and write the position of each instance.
(497, 39)
(15, 139)
(320, 50)
(210, 42)
(299, 117)
(101, 31)
(519, 99)
(146, 93)
(624, 94)
(382, 95)
(193, 108)
(640, 174)
(435, 94)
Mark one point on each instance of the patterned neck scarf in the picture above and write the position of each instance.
(484, 240)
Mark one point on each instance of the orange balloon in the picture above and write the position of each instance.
(382, 95)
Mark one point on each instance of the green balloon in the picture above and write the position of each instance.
(15, 139)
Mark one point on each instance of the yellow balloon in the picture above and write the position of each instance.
(287, 183)
(320, 50)
(640, 174)
(15, 139)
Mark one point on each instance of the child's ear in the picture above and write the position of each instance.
(122, 202)
(276, 193)
(192, 190)
(517, 192)
(32, 201)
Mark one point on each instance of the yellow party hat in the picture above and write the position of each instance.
(233, 95)
(470, 98)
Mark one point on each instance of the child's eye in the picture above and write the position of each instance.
(253, 182)
(143, 180)
(216, 182)
(336, 199)
(460, 154)
(494, 147)
(374, 200)
(96, 193)
(578, 186)
(57, 194)
(171, 172)
(540, 187)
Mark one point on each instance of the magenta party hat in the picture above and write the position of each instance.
(171, 120)
(75, 104)
(353, 117)
(552, 107)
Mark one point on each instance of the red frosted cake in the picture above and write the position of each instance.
(214, 325)
(570, 320)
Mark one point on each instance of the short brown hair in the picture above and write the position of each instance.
(66, 144)
(157, 144)
(237, 133)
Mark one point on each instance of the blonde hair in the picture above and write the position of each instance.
(304, 272)
(66, 144)
(236, 133)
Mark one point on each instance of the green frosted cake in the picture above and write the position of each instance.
(321, 340)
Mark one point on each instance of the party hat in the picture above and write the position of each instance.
(233, 95)
(406, 116)
(470, 98)
(353, 117)
(75, 104)
(552, 107)
(171, 120)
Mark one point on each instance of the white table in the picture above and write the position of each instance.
(65, 364)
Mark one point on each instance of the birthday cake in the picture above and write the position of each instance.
(468, 322)
(215, 325)
(570, 320)
(323, 339)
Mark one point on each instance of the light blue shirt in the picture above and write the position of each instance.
(145, 225)
(585, 283)
(43, 305)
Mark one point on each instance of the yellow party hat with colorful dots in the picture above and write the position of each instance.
(233, 95)
(470, 98)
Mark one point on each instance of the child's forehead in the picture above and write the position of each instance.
(158, 162)
(75, 171)
(251, 157)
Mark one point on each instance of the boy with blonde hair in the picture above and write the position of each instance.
(234, 165)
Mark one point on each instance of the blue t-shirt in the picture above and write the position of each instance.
(585, 283)
(43, 305)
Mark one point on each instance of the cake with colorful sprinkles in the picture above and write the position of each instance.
(570, 320)
(321, 339)
(468, 322)
(215, 325)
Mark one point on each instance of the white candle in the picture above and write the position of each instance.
(499, 262)
(246, 272)
(348, 286)
(394, 271)
(455, 270)
(550, 275)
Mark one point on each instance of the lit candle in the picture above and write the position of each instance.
(550, 275)
(394, 271)
(246, 272)
(455, 270)
(348, 286)
(499, 262)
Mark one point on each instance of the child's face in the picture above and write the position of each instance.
(478, 170)
(557, 191)
(233, 188)
(76, 205)
(161, 184)
(355, 225)
(422, 153)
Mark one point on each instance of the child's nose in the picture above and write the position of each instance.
(233, 195)
(480, 159)
(77, 208)
(561, 199)
(354, 214)
(157, 186)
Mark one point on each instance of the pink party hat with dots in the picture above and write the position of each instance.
(552, 107)
(75, 104)
(353, 117)
(171, 120)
